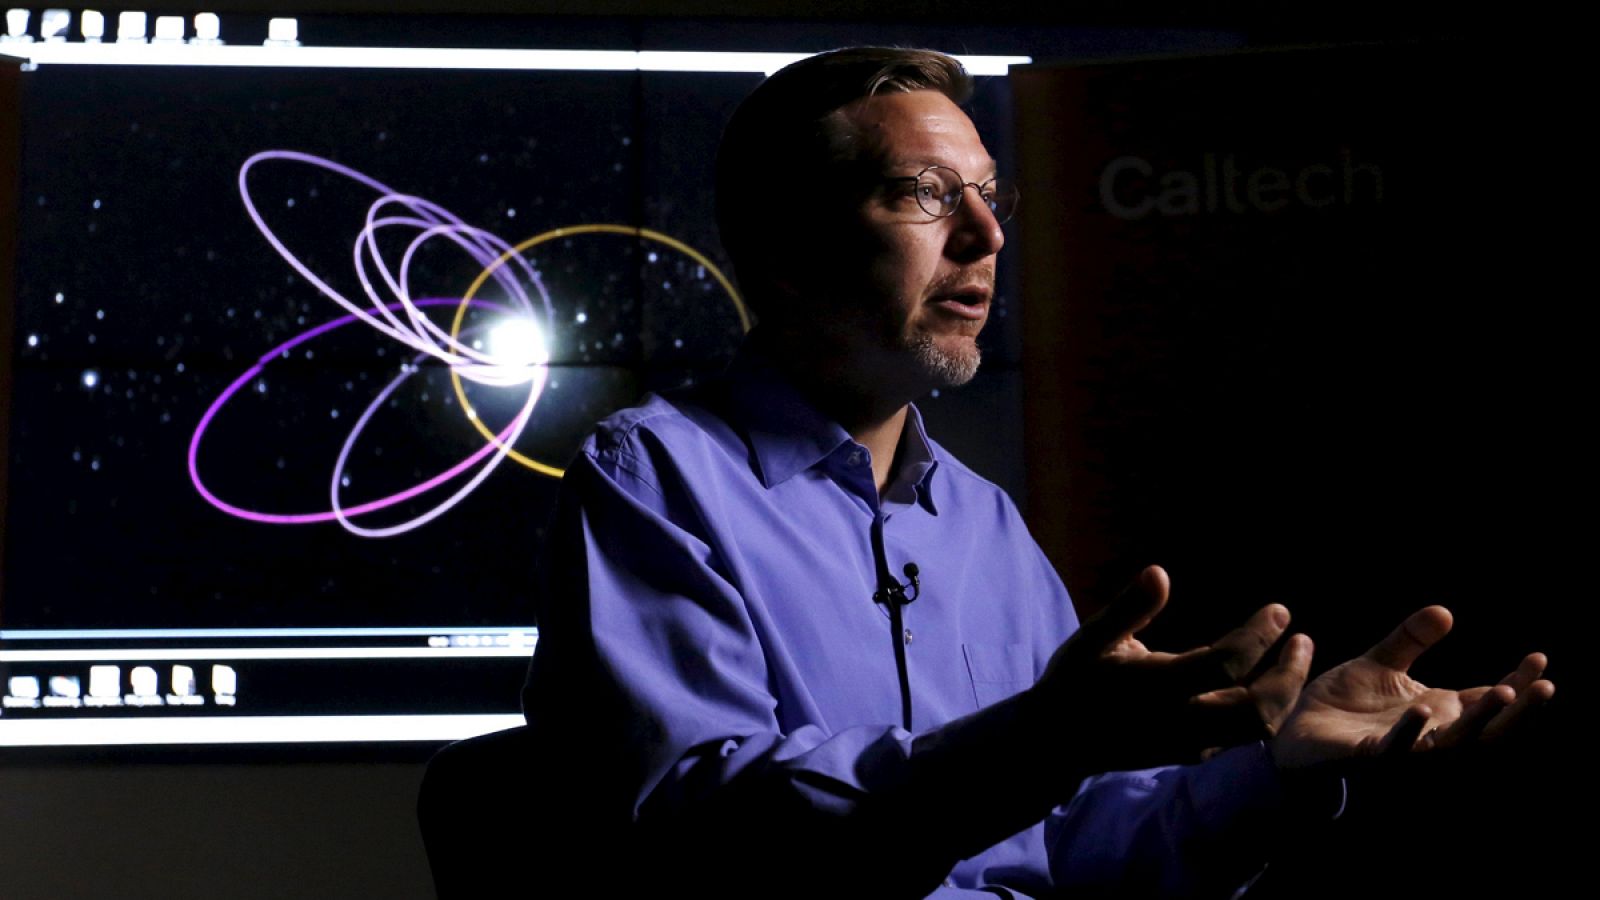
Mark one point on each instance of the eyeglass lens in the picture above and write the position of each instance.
(940, 191)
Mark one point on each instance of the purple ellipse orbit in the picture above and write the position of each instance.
(488, 248)
(485, 248)
(311, 518)
(283, 250)
(421, 334)
(414, 336)
(423, 323)
(502, 446)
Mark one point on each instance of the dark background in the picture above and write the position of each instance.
(1355, 407)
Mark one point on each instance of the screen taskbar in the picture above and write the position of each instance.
(178, 53)
(258, 686)
(163, 730)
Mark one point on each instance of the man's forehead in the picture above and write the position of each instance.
(914, 163)
(915, 129)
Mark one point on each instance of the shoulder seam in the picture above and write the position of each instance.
(617, 453)
(627, 463)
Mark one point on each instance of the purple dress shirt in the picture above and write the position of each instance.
(709, 636)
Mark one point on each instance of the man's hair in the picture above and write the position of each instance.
(787, 130)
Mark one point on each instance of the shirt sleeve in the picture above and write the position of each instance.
(1177, 831)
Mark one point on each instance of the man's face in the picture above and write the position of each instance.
(903, 294)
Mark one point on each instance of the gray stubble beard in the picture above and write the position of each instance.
(947, 369)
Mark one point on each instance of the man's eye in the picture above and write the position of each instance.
(927, 190)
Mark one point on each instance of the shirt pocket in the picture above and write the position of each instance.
(997, 670)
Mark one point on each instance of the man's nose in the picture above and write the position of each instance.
(975, 231)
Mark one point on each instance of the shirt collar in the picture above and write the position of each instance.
(918, 460)
(787, 435)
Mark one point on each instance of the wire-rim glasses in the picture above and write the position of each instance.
(940, 189)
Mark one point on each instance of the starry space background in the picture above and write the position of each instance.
(144, 290)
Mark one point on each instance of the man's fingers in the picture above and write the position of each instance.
(1403, 735)
(1421, 630)
(1131, 611)
(1243, 713)
(1227, 697)
(1239, 650)
(1277, 689)
(1479, 712)
(1225, 718)
(1526, 672)
(1107, 637)
(1279, 686)
(1529, 699)
(1230, 658)
(1532, 692)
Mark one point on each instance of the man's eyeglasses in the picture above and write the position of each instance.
(940, 189)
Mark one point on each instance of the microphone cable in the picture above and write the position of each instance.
(892, 593)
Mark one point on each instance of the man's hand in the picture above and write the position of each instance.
(1369, 707)
(1130, 707)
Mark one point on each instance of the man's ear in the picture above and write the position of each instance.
(783, 290)
(782, 282)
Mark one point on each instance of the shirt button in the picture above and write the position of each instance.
(909, 636)
(855, 457)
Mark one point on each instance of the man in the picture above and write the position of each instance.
(767, 708)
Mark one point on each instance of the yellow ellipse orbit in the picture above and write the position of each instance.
(552, 234)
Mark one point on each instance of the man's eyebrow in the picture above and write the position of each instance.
(905, 165)
(990, 169)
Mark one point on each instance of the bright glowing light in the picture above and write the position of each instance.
(249, 729)
(206, 654)
(518, 342)
(92, 24)
(275, 54)
(992, 65)
(515, 255)
(90, 378)
(693, 61)
(99, 634)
